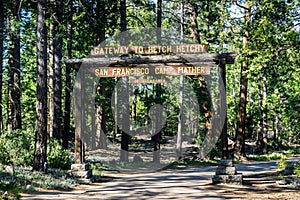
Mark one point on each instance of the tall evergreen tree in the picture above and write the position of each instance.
(40, 151)
(67, 112)
(14, 74)
(158, 116)
(57, 47)
(124, 92)
(1, 58)
(241, 118)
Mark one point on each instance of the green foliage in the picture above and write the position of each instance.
(297, 169)
(272, 156)
(9, 190)
(273, 47)
(16, 148)
(57, 156)
(293, 150)
(282, 163)
(24, 179)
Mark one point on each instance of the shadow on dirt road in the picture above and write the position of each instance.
(188, 183)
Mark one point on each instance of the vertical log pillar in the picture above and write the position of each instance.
(223, 110)
(78, 119)
(222, 60)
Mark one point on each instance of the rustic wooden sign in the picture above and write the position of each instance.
(151, 71)
(150, 50)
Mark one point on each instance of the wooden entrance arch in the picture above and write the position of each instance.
(110, 59)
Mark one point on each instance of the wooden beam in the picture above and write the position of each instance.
(188, 59)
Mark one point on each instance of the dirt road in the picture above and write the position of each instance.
(186, 183)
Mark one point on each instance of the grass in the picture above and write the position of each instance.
(293, 150)
(267, 157)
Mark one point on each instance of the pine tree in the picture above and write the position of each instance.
(1, 58)
(40, 151)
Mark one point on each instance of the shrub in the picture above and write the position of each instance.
(9, 190)
(16, 148)
(57, 156)
(297, 169)
(282, 163)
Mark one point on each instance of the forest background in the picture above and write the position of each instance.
(263, 89)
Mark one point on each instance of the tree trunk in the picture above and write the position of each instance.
(262, 135)
(101, 118)
(157, 135)
(159, 20)
(276, 131)
(133, 108)
(205, 104)
(123, 19)
(259, 141)
(182, 20)
(14, 78)
(192, 7)
(180, 120)
(68, 89)
(124, 93)
(125, 138)
(241, 117)
(100, 106)
(181, 87)
(57, 122)
(265, 117)
(116, 130)
(1, 59)
(194, 23)
(101, 17)
(40, 151)
(50, 81)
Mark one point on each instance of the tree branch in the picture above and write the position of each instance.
(137, 18)
(241, 6)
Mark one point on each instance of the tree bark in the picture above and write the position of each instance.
(101, 118)
(40, 151)
(156, 137)
(57, 122)
(158, 21)
(1, 59)
(68, 88)
(241, 117)
(116, 130)
(100, 106)
(124, 93)
(194, 23)
(125, 137)
(276, 131)
(101, 17)
(205, 104)
(260, 141)
(50, 80)
(14, 78)
(192, 7)
(265, 117)
(262, 135)
(180, 120)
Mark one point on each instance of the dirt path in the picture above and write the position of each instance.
(186, 183)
